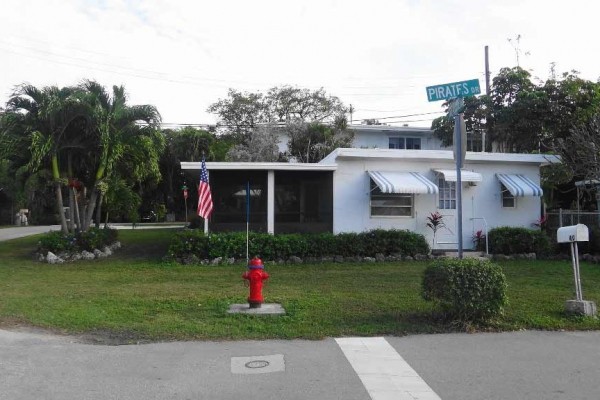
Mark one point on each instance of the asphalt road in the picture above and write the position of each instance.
(519, 365)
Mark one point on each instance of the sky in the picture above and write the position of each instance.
(377, 55)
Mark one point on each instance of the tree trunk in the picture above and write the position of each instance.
(99, 210)
(58, 191)
(89, 212)
(71, 224)
(61, 212)
(77, 216)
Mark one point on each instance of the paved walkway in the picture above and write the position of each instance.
(519, 365)
(22, 231)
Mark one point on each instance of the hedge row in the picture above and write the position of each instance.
(512, 240)
(284, 246)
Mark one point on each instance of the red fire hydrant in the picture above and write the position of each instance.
(255, 276)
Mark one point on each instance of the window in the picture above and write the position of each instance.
(405, 143)
(396, 143)
(413, 143)
(508, 200)
(447, 194)
(474, 141)
(390, 204)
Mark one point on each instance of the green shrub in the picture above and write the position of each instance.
(56, 241)
(467, 290)
(273, 247)
(515, 240)
(94, 238)
(592, 246)
(191, 241)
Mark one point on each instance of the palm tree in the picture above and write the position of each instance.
(39, 120)
(122, 133)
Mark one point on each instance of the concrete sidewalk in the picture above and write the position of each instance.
(517, 365)
(22, 231)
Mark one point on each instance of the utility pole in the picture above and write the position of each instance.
(351, 111)
(487, 92)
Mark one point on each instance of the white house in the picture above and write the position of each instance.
(385, 137)
(359, 189)
(394, 137)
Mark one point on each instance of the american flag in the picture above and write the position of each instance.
(205, 203)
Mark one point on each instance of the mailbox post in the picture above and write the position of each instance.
(573, 234)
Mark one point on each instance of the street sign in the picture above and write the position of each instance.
(453, 90)
(456, 106)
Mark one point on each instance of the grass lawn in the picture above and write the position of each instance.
(135, 296)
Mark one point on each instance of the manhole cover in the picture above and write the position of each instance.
(257, 364)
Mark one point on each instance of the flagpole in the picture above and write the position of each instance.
(247, 220)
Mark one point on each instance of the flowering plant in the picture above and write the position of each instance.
(479, 240)
(540, 223)
(435, 221)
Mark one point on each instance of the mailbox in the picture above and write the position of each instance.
(573, 233)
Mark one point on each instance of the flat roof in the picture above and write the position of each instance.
(259, 166)
(389, 128)
(349, 153)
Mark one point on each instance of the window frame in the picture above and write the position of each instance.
(505, 194)
(447, 194)
(403, 142)
(375, 191)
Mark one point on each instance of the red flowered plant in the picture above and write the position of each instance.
(540, 223)
(435, 221)
(479, 240)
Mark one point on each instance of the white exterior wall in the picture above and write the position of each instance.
(351, 208)
(381, 140)
(371, 137)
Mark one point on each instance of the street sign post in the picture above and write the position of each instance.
(454, 93)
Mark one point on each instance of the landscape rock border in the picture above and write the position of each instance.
(192, 259)
(65, 257)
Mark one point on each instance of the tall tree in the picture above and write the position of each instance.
(522, 116)
(572, 101)
(124, 133)
(262, 146)
(240, 113)
(310, 143)
(289, 104)
(39, 119)
(580, 150)
(313, 120)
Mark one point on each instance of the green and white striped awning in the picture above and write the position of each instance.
(519, 185)
(403, 182)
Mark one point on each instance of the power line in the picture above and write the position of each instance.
(282, 124)
(409, 115)
(147, 74)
